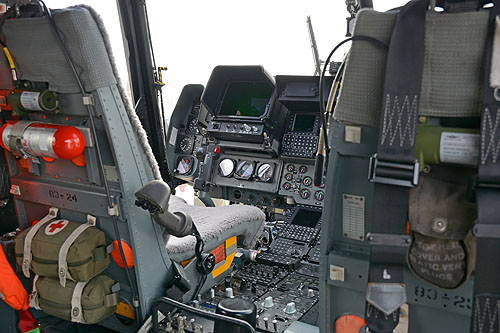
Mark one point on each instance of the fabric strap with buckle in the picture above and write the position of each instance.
(486, 305)
(394, 169)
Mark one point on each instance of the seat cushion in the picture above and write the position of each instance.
(215, 225)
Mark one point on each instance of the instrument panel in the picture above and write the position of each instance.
(297, 183)
(248, 172)
(184, 137)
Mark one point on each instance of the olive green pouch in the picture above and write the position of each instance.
(442, 251)
(62, 249)
(82, 302)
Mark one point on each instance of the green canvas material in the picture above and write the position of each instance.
(452, 74)
(86, 258)
(56, 300)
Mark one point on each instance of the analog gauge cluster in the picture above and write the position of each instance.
(246, 170)
(297, 182)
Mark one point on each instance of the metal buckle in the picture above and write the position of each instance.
(393, 173)
(477, 183)
(482, 230)
(388, 239)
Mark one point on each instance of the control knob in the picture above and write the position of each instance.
(268, 302)
(246, 128)
(290, 308)
(229, 293)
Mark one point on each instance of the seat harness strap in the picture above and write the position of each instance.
(394, 169)
(486, 305)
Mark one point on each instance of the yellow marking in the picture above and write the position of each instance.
(123, 309)
(9, 57)
(229, 259)
(225, 266)
(230, 241)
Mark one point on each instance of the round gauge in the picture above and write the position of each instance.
(305, 193)
(186, 145)
(290, 167)
(244, 170)
(302, 169)
(193, 126)
(288, 176)
(287, 186)
(307, 181)
(185, 165)
(319, 195)
(265, 172)
(226, 167)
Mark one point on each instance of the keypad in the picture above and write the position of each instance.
(298, 232)
(300, 145)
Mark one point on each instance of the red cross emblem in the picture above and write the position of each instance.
(55, 227)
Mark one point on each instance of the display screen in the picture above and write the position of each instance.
(306, 218)
(246, 99)
(304, 123)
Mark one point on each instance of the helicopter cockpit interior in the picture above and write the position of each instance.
(360, 199)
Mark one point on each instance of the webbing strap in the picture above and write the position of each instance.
(76, 303)
(34, 297)
(27, 256)
(62, 263)
(486, 305)
(394, 169)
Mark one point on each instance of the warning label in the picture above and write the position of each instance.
(29, 100)
(459, 148)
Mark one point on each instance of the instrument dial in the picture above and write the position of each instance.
(244, 170)
(193, 126)
(305, 194)
(302, 169)
(265, 172)
(290, 167)
(319, 195)
(307, 181)
(226, 167)
(288, 176)
(186, 145)
(185, 165)
(287, 186)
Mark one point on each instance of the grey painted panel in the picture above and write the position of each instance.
(77, 198)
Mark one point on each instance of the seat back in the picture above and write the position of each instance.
(126, 155)
(451, 89)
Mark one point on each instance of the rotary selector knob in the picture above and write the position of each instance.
(254, 128)
(229, 293)
(246, 128)
(319, 195)
(268, 302)
(310, 293)
(290, 308)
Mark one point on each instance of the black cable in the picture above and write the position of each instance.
(322, 77)
(71, 63)
(200, 285)
(201, 313)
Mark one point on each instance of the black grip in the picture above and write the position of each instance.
(318, 169)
